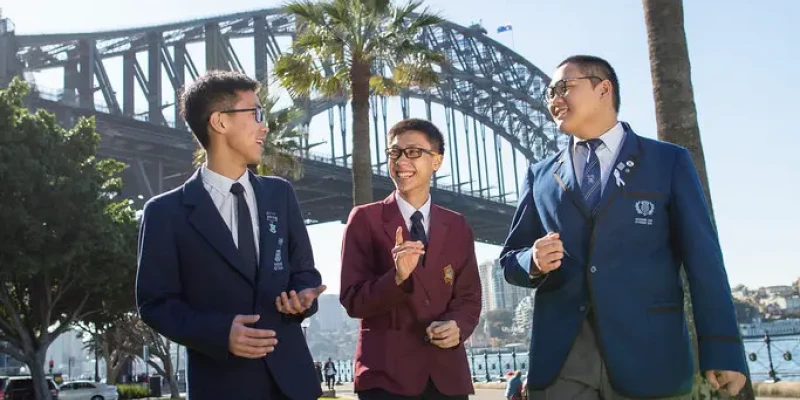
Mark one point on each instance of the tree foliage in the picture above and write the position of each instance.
(65, 239)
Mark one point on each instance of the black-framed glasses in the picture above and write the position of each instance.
(560, 88)
(410, 152)
(259, 112)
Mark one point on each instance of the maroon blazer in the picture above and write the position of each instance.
(391, 353)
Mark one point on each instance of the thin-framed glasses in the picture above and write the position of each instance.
(410, 152)
(259, 112)
(560, 88)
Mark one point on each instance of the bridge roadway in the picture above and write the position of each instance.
(159, 158)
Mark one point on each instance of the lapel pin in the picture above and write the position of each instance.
(618, 178)
(629, 163)
(620, 166)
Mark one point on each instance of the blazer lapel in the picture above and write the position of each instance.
(262, 197)
(392, 218)
(439, 231)
(206, 220)
(564, 174)
(622, 170)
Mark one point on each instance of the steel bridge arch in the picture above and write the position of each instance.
(482, 79)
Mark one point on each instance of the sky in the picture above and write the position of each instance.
(743, 56)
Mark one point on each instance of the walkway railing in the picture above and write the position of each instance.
(772, 357)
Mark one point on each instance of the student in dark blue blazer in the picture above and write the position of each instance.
(225, 263)
(601, 231)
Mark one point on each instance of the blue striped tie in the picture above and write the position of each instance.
(591, 182)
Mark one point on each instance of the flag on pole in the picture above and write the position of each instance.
(504, 28)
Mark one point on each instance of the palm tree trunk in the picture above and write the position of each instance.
(362, 160)
(676, 114)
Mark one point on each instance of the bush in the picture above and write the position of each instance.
(133, 391)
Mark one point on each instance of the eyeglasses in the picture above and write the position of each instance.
(560, 88)
(410, 153)
(259, 112)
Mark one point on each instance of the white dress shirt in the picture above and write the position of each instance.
(407, 210)
(607, 153)
(219, 188)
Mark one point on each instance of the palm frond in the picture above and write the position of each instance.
(382, 85)
(307, 10)
(297, 73)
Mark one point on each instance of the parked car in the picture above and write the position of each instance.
(21, 388)
(88, 390)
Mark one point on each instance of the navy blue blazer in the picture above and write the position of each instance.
(623, 262)
(191, 282)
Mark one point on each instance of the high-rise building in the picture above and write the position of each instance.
(496, 292)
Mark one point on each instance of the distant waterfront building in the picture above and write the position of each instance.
(778, 327)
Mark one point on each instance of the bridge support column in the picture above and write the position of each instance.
(86, 75)
(154, 113)
(215, 54)
(260, 49)
(9, 65)
(128, 75)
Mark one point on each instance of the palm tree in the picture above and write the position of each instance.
(355, 48)
(282, 146)
(676, 115)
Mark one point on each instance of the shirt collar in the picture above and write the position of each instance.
(222, 183)
(407, 209)
(612, 138)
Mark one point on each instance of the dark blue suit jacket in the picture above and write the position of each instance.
(623, 262)
(192, 281)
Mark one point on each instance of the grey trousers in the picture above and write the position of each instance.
(584, 376)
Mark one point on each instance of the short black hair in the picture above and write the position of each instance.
(431, 132)
(592, 65)
(212, 91)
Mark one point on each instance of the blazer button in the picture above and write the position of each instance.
(593, 269)
(582, 308)
(427, 302)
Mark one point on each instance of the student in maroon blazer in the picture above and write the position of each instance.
(409, 274)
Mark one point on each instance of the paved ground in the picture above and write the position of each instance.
(346, 390)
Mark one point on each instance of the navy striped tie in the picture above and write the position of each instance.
(591, 183)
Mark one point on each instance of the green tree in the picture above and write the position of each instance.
(746, 311)
(65, 235)
(354, 48)
(499, 320)
(282, 146)
(676, 114)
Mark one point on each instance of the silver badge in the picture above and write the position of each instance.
(645, 208)
(278, 264)
(273, 222)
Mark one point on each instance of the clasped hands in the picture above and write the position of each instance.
(248, 342)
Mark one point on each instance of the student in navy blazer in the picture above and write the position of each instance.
(601, 231)
(225, 263)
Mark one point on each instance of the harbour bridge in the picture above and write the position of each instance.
(489, 103)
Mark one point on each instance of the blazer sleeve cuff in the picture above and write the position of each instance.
(721, 353)
(218, 329)
(386, 284)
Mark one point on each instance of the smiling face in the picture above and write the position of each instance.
(579, 101)
(240, 130)
(412, 175)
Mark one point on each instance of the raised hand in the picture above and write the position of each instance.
(406, 256)
(548, 252)
(298, 303)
